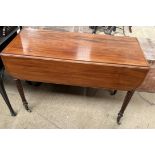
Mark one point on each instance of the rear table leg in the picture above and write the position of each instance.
(113, 92)
(95, 29)
(125, 103)
(21, 92)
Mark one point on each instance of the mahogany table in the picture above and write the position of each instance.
(78, 59)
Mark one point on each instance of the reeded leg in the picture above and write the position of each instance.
(125, 103)
(5, 97)
(21, 92)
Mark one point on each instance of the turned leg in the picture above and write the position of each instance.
(5, 97)
(125, 103)
(21, 92)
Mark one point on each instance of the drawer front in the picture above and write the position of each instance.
(78, 73)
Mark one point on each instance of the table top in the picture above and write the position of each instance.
(77, 47)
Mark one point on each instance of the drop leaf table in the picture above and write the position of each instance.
(87, 60)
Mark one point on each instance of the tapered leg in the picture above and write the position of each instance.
(5, 97)
(21, 92)
(125, 103)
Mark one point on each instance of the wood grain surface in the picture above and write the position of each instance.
(77, 46)
(76, 59)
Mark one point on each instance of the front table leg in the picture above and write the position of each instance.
(125, 103)
(21, 92)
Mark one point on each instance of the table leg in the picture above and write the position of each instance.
(21, 92)
(125, 103)
(113, 92)
(95, 29)
(5, 97)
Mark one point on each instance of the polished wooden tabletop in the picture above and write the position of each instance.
(76, 59)
(77, 47)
